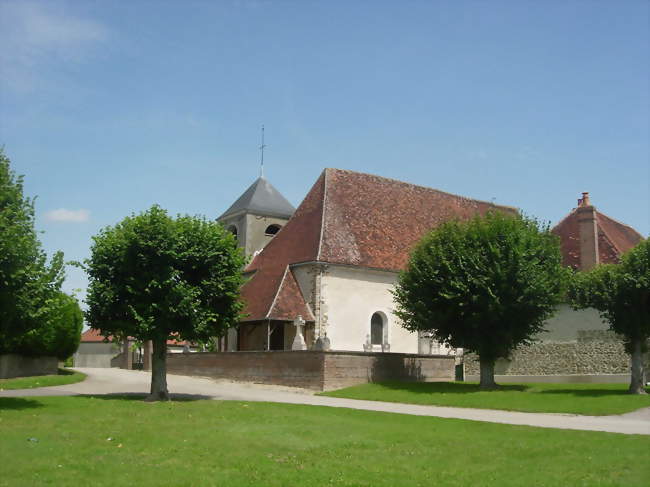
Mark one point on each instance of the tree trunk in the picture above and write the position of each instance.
(487, 374)
(637, 379)
(159, 371)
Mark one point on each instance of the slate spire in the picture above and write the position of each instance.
(261, 198)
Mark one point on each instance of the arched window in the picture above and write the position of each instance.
(232, 229)
(272, 229)
(376, 329)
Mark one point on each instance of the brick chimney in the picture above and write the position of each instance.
(588, 228)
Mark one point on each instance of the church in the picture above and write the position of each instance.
(334, 260)
(320, 276)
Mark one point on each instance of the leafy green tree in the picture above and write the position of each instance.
(156, 278)
(27, 282)
(621, 293)
(58, 334)
(485, 285)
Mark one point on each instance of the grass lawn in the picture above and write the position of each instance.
(63, 377)
(589, 399)
(124, 441)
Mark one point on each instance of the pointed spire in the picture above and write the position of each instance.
(262, 154)
(263, 199)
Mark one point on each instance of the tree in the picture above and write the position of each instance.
(27, 282)
(58, 334)
(486, 285)
(621, 293)
(156, 278)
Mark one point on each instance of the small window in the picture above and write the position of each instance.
(232, 229)
(376, 329)
(272, 229)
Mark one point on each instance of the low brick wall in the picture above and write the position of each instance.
(344, 369)
(12, 365)
(314, 370)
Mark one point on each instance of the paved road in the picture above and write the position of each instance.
(115, 381)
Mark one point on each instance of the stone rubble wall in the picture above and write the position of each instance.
(595, 352)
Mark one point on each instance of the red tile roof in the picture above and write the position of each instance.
(614, 239)
(353, 219)
(92, 335)
(289, 301)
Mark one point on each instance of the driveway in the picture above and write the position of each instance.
(116, 381)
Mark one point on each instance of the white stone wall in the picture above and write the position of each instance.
(567, 322)
(95, 354)
(351, 296)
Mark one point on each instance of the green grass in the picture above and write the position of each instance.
(123, 441)
(63, 377)
(589, 399)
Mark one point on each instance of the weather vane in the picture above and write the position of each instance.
(262, 154)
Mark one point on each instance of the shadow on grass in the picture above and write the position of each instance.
(139, 396)
(18, 403)
(447, 387)
(589, 392)
(66, 372)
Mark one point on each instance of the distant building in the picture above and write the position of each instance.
(96, 351)
(577, 345)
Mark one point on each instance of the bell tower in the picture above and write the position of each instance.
(257, 215)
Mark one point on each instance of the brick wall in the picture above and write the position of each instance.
(348, 369)
(314, 370)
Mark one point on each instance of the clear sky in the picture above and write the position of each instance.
(107, 107)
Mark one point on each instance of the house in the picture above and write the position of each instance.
(95, 351)
(333, 262)
(577, 345)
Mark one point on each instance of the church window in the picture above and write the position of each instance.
(272, 229)
(376, 329)
(232, 229)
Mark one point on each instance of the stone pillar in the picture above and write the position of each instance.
(146, 359)
(127, 356)
(588, 230)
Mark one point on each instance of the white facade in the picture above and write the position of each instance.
(344, 300)
(351, 297)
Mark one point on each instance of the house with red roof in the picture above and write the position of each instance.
(577, 345)
(95, 350)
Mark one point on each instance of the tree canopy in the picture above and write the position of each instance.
(156, 278)
(621, 293)
(485, 285)
(58, 334)
(28, 284)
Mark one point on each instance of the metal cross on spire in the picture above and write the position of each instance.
(262, 154)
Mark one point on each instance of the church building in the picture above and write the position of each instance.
(320, 276)
(333, 262)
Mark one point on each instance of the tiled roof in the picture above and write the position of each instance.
(348, 218)
(614, 239)
(289, 301)
(93, 335)
(261, 197)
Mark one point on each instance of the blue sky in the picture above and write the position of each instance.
(107, 107)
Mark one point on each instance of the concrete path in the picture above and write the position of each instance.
(116, 381)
